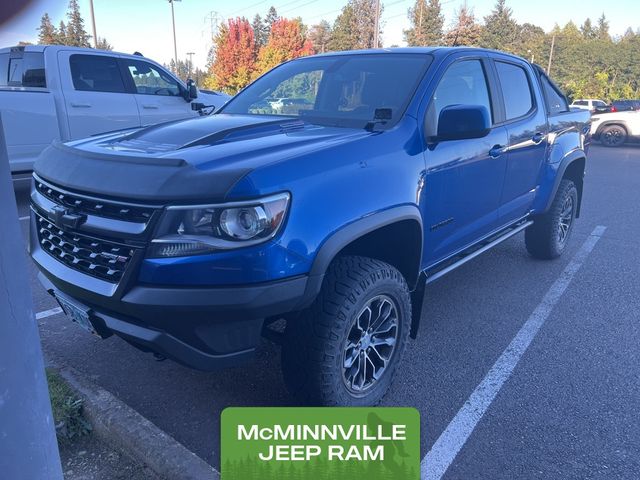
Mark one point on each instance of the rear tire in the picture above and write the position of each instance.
(613, 136)
(550, 232)
(344, 349)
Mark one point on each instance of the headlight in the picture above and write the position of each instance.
(193, 230)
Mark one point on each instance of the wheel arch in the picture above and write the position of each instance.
(573, 167)
(393, 236)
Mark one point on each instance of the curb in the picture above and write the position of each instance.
(124, 428)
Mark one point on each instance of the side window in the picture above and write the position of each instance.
(556, 101)
(464, 83)
(581, 103)
(96, 73)
(516, 90)
(26, 70)
(151, 80)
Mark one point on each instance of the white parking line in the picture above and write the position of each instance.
(48, 313)
(444, 451)
(26, 217)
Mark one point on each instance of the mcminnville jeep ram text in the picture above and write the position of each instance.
(327, 193)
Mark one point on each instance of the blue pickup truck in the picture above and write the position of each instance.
(312, 209)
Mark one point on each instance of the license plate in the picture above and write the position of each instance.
(76, 312)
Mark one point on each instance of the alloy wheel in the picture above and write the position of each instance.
(370, 344)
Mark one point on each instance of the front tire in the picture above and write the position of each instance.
(613, 136)
(548, 236)
(344, 349)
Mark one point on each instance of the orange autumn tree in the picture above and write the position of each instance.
(234, 63)
(286, 42)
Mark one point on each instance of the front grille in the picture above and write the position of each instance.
(103, 208)
(99, 258)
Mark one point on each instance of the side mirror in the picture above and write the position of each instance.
(191, 92)
(459, 122)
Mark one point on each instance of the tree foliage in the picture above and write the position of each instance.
(72, 33)
(427, 21)
(500, 28)
(320, 36)
(354, 27)
(465, 30)
(286, 42)
(235, 60)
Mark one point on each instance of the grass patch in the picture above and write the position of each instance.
(67, 409)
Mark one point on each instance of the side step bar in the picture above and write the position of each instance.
(473, 254)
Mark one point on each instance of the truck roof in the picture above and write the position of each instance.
(42, 48)
(435, 50)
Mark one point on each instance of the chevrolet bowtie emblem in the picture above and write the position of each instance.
(63, 217)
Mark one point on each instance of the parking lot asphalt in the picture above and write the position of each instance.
(569, 409)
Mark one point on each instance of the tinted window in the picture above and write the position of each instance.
(581, 102)
(599, 103)
(556, 101)
(464, 83)
(96, 73)
(340, 90)
(151, 80)
(23, 69)
(515, 90)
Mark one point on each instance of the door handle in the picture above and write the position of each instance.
(496, 151)
(80, 105)
(150, 107)
(538, 137)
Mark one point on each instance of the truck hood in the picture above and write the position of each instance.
(195, 159)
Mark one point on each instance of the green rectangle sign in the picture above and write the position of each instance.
(320, 443)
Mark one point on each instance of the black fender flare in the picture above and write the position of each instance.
(573, 156)
(349, 233)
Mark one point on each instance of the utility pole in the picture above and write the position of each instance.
(190, 55)
(93, 25)
(553, 42)
(376, 42)
(173, 22)
(28, 447)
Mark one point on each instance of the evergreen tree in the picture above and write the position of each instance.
(588, 32)
(426, 24)
(365, 18)
(62, 36)
(602, 30)
(270, 19)
(500, 29)
(465, 30)
(343, 35)
(260, 31)
(77, 36)
(103, 44)
(47, 34)
(320, 36)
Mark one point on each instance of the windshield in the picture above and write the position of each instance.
(338, 90)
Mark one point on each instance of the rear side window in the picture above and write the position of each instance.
(556, 101)
(581, 103)
(516, 90)
(23, 69)
(96, 73)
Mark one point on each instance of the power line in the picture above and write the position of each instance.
(300, 6)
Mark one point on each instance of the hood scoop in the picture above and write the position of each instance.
(246, 132)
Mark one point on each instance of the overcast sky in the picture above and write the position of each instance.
(145, 25)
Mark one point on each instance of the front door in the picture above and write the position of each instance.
(464, 178)
(157, 93)
(94, 93)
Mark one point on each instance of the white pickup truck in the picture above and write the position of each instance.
(65, 93)
(616, 128)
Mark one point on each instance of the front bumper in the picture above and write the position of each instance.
(203, 328)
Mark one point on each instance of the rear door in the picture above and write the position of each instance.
(525, 119)
(158, 94)
(95, 94)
